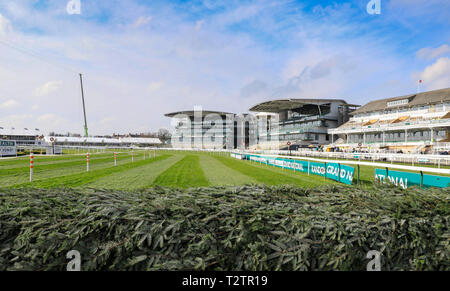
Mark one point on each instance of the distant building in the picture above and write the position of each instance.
(203, 129)
(299, 122)
(22, 137)
(412, 123)
(101, 142)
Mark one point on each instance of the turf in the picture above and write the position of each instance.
(137, 178)
(219, 174)
(14, 176)
(170, 168)
(184, 174)
(270, 175)
(80, 179)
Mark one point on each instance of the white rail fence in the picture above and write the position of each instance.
(372, 164)
(413, 159)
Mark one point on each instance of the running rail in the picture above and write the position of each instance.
(373, 164)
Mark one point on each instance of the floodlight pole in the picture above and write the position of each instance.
(84, 107)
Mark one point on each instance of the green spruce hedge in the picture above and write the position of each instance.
(225, 228)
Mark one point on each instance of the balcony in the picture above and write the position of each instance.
(315, 129)
(402, 125)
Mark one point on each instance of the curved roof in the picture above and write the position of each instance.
(429, 97)
(276, 106)
(192, 112)
(19, 131)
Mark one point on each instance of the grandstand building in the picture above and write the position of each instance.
(203, 129)
(412, 124)
(298, 122)
(22, 137)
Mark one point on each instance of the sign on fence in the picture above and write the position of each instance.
(237, 156)
(406, 179)
(53, 150)
(341, 173)
(8, 148)
(338, 172)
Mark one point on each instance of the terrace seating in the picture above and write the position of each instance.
(383, 122)
(351, 124)
(347, 124)
(401, 119)
(446, 116)
(370, 122)
(418, 118)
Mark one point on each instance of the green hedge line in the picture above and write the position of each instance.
(225, 228)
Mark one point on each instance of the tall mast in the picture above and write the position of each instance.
(84, 107)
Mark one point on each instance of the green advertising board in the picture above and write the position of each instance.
(334, 171)
(7, 143)
(7, 148)
(407, 179)
(341, 173)
(317, 168)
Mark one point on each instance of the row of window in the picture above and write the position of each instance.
(435, 108)
(396, 136)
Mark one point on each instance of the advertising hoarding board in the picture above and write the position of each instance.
(8, 148)
(338, 172)
(407, 179)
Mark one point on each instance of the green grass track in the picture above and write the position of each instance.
(80, 179)
(184, 174)
(219, 174)
(272, 175)
(176, 169)
(136, 178)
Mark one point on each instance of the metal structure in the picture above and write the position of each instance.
(84, 107)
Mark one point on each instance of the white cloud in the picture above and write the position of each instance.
(9, 104)
(432, 53)
(255, 88)
(51, 118)
(5, 25)
(16, 121)
(47, 117)
(199, 24)
(107, 120)
(207, 61)
(437, 75)
(47, 88)
(154, 86)
(141, 21)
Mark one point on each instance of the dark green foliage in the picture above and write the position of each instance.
(225, 228)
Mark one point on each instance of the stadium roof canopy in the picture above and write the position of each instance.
(4, 131)
(276, 106)
(425, 98)
(192, 112)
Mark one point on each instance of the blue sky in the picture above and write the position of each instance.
(142, 59)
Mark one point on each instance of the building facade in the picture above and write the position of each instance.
(22, 137)
(411, 123)
(200, 129)
(298, 123)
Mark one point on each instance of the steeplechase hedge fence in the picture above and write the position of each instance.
(226, 228)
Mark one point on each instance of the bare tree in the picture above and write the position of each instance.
(164, 135)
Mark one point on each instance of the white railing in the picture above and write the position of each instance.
(391, 126)
(413, 159)
(373, 164)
